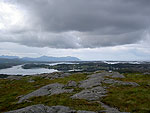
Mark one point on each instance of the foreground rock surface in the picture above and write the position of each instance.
(91, 94)
(54, 75)
(71, 84)
(112, 81)
(92, 90)
(110, 109)
(14, 77)
(99, 78)
(117, 75)
(50, 89)
(46, 109)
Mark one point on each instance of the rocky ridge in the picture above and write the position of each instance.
(46, 109)
(50, 89)
(93, 91)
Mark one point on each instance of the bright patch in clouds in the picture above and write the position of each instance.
(10, 16)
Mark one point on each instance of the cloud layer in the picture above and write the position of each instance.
(76, 23)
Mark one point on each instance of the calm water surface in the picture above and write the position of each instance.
(18, 70)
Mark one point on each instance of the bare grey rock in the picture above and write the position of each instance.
(40, 108)
(31, 109)
(91, 94)
(71, 84)
(60, 109)
(91, 82)
(117, 75)
(53, 75)
(102, 74)
(43, 109)
(14, 77)
(106, 74)
(94, 80)
(112, 81)
(60, 75)
(18, 97)
(85, 111)
(31, 80)
(110, 109)
(50, 89)
(146, 73)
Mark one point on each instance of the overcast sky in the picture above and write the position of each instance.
(87, 29)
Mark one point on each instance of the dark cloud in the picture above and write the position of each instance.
(84, 23)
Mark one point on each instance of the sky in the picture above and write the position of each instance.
(87, 29)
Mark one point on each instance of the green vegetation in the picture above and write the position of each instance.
(61, 99)
(11, 89)
(92, 67)
(33, 65)
(131, 99)
(125, 98)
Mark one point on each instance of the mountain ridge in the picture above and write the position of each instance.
(43, 58)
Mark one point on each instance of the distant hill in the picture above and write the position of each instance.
(9, 57)
(42, 58)
(6, 60)
(8, 63)
(47, 58)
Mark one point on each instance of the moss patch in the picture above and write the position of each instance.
(131, 99)
(61, 99)
(11, 89)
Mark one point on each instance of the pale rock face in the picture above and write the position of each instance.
(112, 81)
(50, 89)
(71, 84)
(91, 94)
(46, 109)
(93, 90)
(13, 77)
(117, 75)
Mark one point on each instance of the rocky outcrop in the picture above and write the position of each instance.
(46, 109)
(31, 80)
(99, 78)
(117, 82)
(14, 77)
(71, 84)
(31, 109)
(93, 91)
(117, 75)
(85, 111)
(110, 109)
(93, 80)
(54, 75)
(59, 75)
(50, 89)
(90, 94)
(40, 108)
